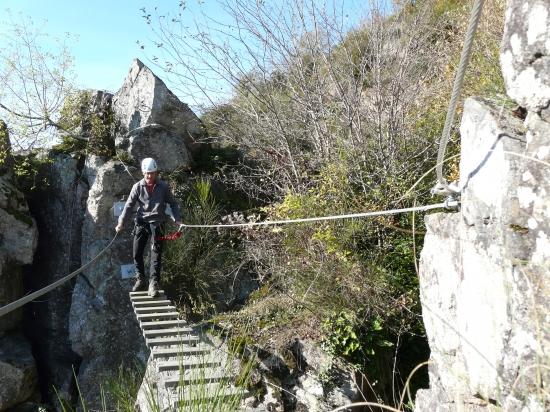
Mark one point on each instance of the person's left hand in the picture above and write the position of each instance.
(178, 224)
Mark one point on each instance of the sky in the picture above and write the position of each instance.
(106, 32)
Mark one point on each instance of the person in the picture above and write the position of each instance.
(151, 194)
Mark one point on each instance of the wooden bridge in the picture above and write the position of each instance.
(185, 370)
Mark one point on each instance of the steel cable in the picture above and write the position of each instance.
(457, 87)
(26, 299)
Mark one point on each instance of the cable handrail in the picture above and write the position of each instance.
(475, 14)
(4, 310)
(442, 184)
(28, 298)
(444, 205)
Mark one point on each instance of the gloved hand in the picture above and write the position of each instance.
(118, 228)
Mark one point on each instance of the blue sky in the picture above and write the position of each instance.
(106, 31)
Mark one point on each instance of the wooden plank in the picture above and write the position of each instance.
(147, 303)
(199, 376)
(172, 340)
(180, 351)
(147, 298)
(190, 362)
(153, 309)
(159, 324)
(181, 331)
(143, 293)
(161, 315)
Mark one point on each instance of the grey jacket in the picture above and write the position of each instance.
(150, 208)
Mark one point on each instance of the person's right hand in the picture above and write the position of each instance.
(118, 228)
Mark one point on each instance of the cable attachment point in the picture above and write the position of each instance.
(444, 189)
(451, 203)
(452, 192)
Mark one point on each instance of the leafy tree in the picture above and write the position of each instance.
(35, 78)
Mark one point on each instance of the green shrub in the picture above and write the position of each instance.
(119, 391)
(31, 172)
(5, 149)
(340, 337)
(197, 266)
(86, 129)
(312, 153)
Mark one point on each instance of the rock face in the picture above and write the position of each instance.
(101, 326)
(18, 376)
(484, 271)
(18, 237)
(144, 100)
(59, 211)
(102, 329)
(309, 380)
(88, 324)
(312, 392)
(155, 141)
(525, 56)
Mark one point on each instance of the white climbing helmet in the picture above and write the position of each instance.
(148, 165)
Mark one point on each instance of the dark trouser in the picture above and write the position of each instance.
(142, 232)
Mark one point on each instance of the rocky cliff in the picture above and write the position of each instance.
(86, 327)
(484, 271)
(102, 329)
(58, 209)
(18, 237)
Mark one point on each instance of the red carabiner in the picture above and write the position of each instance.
(172, 236)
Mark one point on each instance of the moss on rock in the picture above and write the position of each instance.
(5, 148)
(89, 123)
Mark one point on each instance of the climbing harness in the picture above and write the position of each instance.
(442, 187)
(172, 236)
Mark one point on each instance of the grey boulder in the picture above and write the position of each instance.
(18, 375)
(525, 53)
(145, 100)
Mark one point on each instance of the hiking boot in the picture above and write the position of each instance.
(139, 285)
(153, 288)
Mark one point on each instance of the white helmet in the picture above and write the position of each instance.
(148, 165)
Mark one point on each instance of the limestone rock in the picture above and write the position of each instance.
(313, 393)
(483, 284)
(152, 123)
(18, 236)
(145, 100)
(310, 355)
(484, 274)
(59, 212)
(525, 53)
(17, 228)
(272, 400)
(312, 382)
(18, 376)
(309, 394)
(102, 328)
(166, 147)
